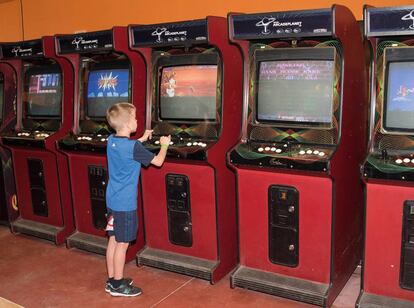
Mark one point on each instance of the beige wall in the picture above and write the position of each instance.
(48, 17)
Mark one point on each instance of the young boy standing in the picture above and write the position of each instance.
(125, 157)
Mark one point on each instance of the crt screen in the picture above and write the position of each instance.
(105, 88)
(399, 112)
(188, 92)
(43, 95)
(295, 91)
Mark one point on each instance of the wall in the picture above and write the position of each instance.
(48, 17)
(10, 21)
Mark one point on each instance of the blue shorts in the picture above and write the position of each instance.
(125, 225)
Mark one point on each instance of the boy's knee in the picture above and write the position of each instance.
(122, 245)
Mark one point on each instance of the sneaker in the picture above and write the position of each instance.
(126, 290)
(128, 281)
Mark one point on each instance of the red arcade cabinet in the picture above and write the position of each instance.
(44, 114)
(303, 137)
(388, 265)
(194, 94)
(106, 72)
(8, 198)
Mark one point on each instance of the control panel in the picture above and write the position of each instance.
(179, 210)
(287, 155)
(283, 211)
(183, 147)
(26, 138)
(84, 142)
(390, 165)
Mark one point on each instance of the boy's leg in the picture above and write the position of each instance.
(119, 260)
(110, 256)
(125, 228)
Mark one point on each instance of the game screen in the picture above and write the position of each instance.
(299, 91)
(43, 95)
(399, 107)
(105, 88)
(188, 92)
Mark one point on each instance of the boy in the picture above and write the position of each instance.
(125, 157)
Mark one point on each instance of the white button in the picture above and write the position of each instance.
(19, 134)
(157, 142)
(171, 143)
(316, 152)
(321, 154)
(412, 161)
(36, 131)
(278, 150)
(398, 161)
(195, 143)
(267, 148)
(79, 138)
(260, 149)
(103, 139)
(406, 160)
(302, 152)
(99, 135)
(309, 152)
(203, 145)
(189, 144)
(272, 149)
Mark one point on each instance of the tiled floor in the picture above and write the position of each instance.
(36, 273)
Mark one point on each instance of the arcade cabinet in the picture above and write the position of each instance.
(44, 114)
(106, 72)
(8, 198)
(388, 265)
(194, 93)
(303, 137)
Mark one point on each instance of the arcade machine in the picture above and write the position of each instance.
(44, 115)
(303, 136)
(388, 265)
(106, 72)
(8, 198)
(194, 93)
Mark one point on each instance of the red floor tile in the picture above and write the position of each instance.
(36, 273)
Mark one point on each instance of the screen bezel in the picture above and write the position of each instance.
(106, 66)
(290, 54)
(187, 60)
(50, 69)
(394, 55)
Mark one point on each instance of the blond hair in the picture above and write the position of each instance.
(118, 115)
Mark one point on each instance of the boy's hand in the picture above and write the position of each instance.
(165, 140)
(147, 135)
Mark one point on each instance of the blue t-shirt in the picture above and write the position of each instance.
(125, 157)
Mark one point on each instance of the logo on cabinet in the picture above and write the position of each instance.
(79, 42)
(265, 23)
(19, 51)
(158, 32)
(170, 36)
(409, 16)
(76, 41)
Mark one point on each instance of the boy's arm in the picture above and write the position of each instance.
(158, 160)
